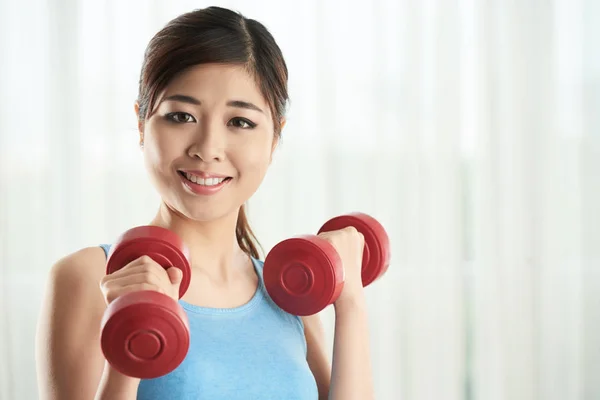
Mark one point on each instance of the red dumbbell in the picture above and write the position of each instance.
(145, 334)
(304, 274)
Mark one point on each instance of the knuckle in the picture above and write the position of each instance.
(110, 296)
(148, 276)
(325, 236)
(105, 286)
(146, 259)
(350, 230)
(147, 269)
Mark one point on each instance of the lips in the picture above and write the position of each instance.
(203, 184)
(203, 181)
(203, 174)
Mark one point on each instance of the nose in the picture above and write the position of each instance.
(209, 144)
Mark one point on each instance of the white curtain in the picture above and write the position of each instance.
(470, 129)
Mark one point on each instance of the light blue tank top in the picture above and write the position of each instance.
(253, 352)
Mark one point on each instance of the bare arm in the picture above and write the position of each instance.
(69, 362)
(351, 372)
(316, 354)
(350, 377)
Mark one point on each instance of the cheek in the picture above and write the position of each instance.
(159, 152)
(253, 160)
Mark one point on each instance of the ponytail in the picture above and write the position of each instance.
(245, 237)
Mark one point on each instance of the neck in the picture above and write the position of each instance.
(213, 245)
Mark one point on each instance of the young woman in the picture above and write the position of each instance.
(210, 110)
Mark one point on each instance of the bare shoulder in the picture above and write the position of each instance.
(69, 361)
(316, 356)
(73, 294)
(73, 284)
(81, 266)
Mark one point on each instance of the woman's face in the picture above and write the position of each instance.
(209, 143)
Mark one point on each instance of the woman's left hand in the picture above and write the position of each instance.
(349, 244)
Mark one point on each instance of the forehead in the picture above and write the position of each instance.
(215, 82)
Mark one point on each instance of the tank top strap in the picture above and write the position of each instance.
(106, 248)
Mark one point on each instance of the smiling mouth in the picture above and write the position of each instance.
(203, 181)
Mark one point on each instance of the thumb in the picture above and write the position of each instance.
(175, 275)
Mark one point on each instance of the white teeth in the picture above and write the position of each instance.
(202, 181)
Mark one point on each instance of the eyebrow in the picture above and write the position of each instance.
(233, 103)
(184, 99)
(244, 104)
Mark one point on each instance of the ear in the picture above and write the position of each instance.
(140, 123)
(282, 122)
(276, 138)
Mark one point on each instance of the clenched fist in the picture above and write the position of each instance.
(141, 274)
(349, 244)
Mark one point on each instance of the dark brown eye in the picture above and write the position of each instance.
(180, 117)
(241, 123)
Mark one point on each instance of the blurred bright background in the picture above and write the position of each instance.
(470, 129)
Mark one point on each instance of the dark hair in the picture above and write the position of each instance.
(216, 35)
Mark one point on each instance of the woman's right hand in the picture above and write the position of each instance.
(141, 274)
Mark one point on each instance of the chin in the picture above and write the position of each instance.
(206, 214)
(204, 208)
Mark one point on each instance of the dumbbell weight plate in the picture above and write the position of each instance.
(145, 334)
(376, 253)
(303, 274)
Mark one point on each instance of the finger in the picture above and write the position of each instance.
(175, 275)
(123, 272)
(142, 276)
(138, 261)
(326, 235)
(361, 237)
(138, 287)
(132, 265)
(350, 229)
(136, 267)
